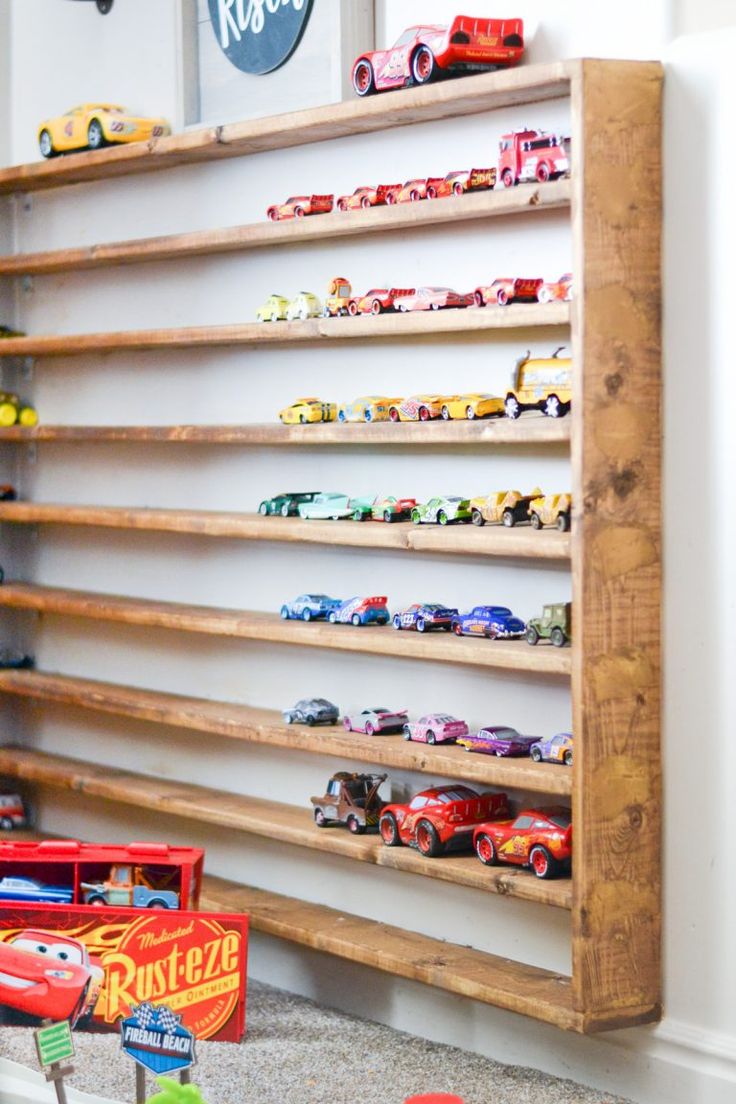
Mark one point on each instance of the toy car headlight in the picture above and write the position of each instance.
(65, 975)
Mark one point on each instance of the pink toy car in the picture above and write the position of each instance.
(432, 298)
(376, 721)
(435, 728)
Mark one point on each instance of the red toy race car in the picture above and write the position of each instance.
(410, 192)
(560, 290)
(367, 197)
(438, 819)
(48, 975)
(299, 206)
(506, 290)
(458, 183)
(539, 838)
(377, 300)
(429, 52)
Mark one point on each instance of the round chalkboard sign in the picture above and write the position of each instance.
(258, 36)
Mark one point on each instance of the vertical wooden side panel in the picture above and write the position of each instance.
(616, 127)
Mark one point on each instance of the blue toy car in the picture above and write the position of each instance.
(26, 889)
(361, 611)
(423, 616)
(310, 607)
(494, 622)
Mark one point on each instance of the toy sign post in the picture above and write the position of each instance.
(154, 1037)
(54, 1046)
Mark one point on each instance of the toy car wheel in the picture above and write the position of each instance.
(376, 306)
(558, 638)
(95, 135)
(563, 522)
(553, 408)
(485, 849)
(396, 621)
(507, 178)
(406, 732)
(364, 81)
(310, 719)
(477, 518)
(511, 407)
(320, 819)
(457, 189)
(535, 521)
(332, 617)
(298, 212)
(470, 413)
(427, 839)
(96, 900)
(423, 414)
(367, 415)
(542, 173)
(355, 619)
(289, 718)
(542, 863)
(285, 510)
(272, 214)
(369, 729)
(414, 195)
(389, 830)
(567, 760)
(6, 823)
(393, 414)
(421, 625)
(352, 309)
(457, 629)
(45, 144)
(508, 519)
(502, 297)
(435, 306)
(388, 517)
(416, 517)
(536, 754)
(479, 300)
(532, 636)
(544, 295)
(306, 615)
(354, 825)
(342, 205)
(442, 517)
(423, 65)
(431, 738)
(285, 613)
(274, 316)
(365, 202)
(431, 193)
(445, 413)
(263, 508)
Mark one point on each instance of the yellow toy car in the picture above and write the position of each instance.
(303, 306)
(551, 509)
(308, 410)
(369, 408)
(94, 125)
(473, 406)
(13, 411)
(507, 508)
(419, 408)
(273, 310)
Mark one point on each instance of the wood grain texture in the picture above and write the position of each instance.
(616, 110)
(396, 326)
(508, 655)
(530, 431)
(273, 820)
(521, 542)
(266, 726)
(471, 95)
(267, 235)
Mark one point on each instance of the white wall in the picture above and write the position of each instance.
(691, 1056)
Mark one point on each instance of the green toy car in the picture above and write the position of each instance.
(443, 511)
(554, 625)
(286, 505)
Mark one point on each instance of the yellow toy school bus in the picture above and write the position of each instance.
(541, 383)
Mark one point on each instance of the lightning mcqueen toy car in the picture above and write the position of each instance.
(457, 183)
(376, 301)
(430, 51)
(299, 206)
(539, 838)
(48, 975)
(439, 819)
(366, 197)
(508, 289)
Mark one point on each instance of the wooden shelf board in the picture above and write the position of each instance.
(532, 429)
(287, 824)
(470, 95)
(414, 324)
(508, 655)
(404, 216)
(265, 726)
(490, 540)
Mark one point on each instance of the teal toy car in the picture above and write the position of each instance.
(443, 511)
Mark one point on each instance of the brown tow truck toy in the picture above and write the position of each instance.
(129, 885)
(351, 799)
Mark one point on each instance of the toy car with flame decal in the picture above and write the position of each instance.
(309, 607)
(556, 290)
(442, 511)
(376, 721)
(304, 411)
(418, 408)
(376, 301)
(286, 505)
(507, 508)
(473, 406)
(526, 155)
(363, 198)
(551, 509)
(508, 289)
(432, 298)
(424, 616)
(440, 819)
(300, 206)
(430, 51)
(48, 975)
(94, 125)
(538, 838)
(369, 408)
(493, 622)
(498, 740)
(556, 750)
(435, 728)
(351, 799)
(361, 611)
(458, 183)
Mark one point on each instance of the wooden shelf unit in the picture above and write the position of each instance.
(614, 433)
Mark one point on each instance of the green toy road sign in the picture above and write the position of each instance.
(54, 1043)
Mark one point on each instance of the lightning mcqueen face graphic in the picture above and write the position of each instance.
(48, 975)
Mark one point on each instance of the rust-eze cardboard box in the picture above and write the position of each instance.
(92, 964)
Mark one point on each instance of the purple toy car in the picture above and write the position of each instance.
(372, 721)
(498, 740)
(435, 728)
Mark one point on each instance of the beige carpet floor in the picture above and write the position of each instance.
(296, 1052)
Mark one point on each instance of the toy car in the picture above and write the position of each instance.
(433, 298)
(473, 406)
(362, 198)
(376, 301)
(303, 306)
(309, 607)
(507, 290)
(507, 507)
(555, 624)
(458, 183)
(305, 411)
(392, 509)
(498, 740)
(273, 310)
(298, 206)
(435, 728)
(369, 408)
(286, 505)
(556, 750)
(332, 506)
(339, 294)
(493, 622)
(361, 611)
(424, 616)
(541, 383)
(351, 799)
(418, 408)
(8, 331)
(551, 510)
(48, 975)
(558, 290)
(33, 892)
(372, 721)
(13, 411)
(531, 155)
(411, 192)
(12, 812)
(443, 511)
(312, 711)
(94, 125)
(7, 492)
(438, 819)
(539, 838)
(425, 53)
(10, 658)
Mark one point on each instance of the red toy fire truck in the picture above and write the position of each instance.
(532, 155)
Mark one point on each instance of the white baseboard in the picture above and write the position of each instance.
(20, 1085)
